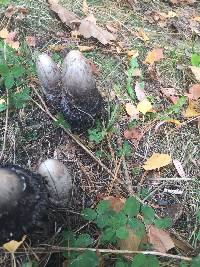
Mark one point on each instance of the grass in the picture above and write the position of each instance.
(32, 136)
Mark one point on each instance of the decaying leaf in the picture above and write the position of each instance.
(140, 94)
(88, 28)
(196, 72)
(132, 242)
(133, 53)
(160, 239)
(13, 245)
(116, 203)
(157, 161)
(85, 7)
(142, 34)
(4, 33)
(154, 56)
(31, 41)
(132, 111)
(134, 133)
(144, 106)
(179, 168)
(66, 16)
(176, 122)
(191, 110)
(84, 48)
(170, 93)
(194, 92)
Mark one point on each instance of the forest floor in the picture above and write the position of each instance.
(110, 159)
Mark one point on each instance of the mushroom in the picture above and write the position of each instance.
(23, 203)
(74, 91)
(57, 180)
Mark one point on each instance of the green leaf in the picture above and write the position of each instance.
(89, 214)
(126, 150)
(196, 261)
(86, 259)
(108, 235)
(148, 213)
(83, 241)
(122, 233)
(102, 207)
(121, 263)
(118, 219)
(139, 261)
(103, 220)
(195, 60)
(17, 71)
(61, 121)
(198, 235)
(68, 239)
(163, 223)
(2, 107)
(4, 70)
(183, 264)
(19, 99)
(134, 63)
(198, 216)
(137, 226)
(9, 81)
(131, 207)
(152, 261)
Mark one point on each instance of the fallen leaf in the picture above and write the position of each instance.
(57, 48)
(133, 53)
(85, 7)
(4, 33)
(140, 94)
(116, 203)
(95, 69)
(84, 48)
(66, 16)
(144, 106)
(13, 245)
(132, 111)
(10, 37)
(134, 133)
(132, 242)
(191, 110)
(196, 19)
(172, 14)
(154, 56)
(194, 92)
(160, 239)
(88, 28)
(170, 93)
(31, 40)
(156, 161)
(179, 168)
(178, 123)
(142, 34)
(14, 45)
(196, 72)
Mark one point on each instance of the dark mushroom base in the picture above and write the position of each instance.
(29, 215)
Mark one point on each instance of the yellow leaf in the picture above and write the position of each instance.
(13, 245)
(196, 72)
(155, 55)
(132, 110)
(196, 19)
(84, 48)
(4, 33)
(143, 35)
(144, 106)
(85, 8)
(191, 110)
(157, 161)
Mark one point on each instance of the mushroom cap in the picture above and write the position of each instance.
(57, 179)
(11, 188)
(49, 76)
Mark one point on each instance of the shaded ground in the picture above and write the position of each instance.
(32, 136)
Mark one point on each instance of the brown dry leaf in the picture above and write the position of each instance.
(4, 33)
(10, 11)
(196, 72)
(132, 111)
(66, 16)
(160, 239)
(132, 242)
(140, 94)
(88, 28)
(95, 69)
(134, 133)
(31, 40)
(85, 7)
(116, 203)
(10, 37)
(154, 56)
(13, 245)
(57, 48)
(84, 48)
(170, 93)
(191, 110)
(133, 53)
(144, 106)
(156, 161)
(196, 19)
(176, 122)
(179, 168)
(142, 34)
(194, 92)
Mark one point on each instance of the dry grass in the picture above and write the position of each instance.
(32, 137)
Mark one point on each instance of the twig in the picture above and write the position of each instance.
(110, 187)
(54, 249)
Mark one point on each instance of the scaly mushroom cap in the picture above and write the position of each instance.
(58, 181)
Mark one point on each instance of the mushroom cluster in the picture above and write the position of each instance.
(26, 198)
(71, 90)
